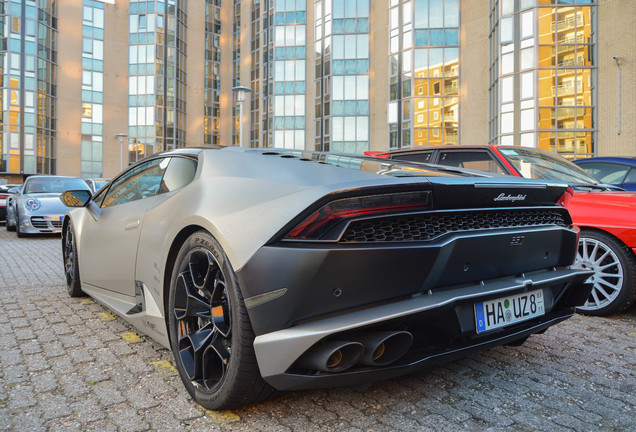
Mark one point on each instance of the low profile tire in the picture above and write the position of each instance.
(71, 269)
(614, 279)
(210, 333)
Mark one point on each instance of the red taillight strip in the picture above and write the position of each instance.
(327, 215)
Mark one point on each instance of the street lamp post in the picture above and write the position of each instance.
(121, 137)
(240, 92)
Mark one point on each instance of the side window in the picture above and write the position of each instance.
(143, 181)
(631, 176)
(179, 173)
(424, 157)
(473, 159)
(606, 172)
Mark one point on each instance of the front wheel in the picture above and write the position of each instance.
(210, 333)
(17, 226)
(71, 269)
(614, 277)
(9, 226)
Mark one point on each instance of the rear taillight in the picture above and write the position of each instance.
(566, 197)
(320, 224)
(4, 196)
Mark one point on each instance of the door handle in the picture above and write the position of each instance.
(131, 225)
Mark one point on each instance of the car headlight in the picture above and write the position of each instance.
(32, 204)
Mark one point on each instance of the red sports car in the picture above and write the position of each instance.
(607, 217)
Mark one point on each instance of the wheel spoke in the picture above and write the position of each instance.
(187, 302)
(598, 261)
(217, 357)
(609, 275)
(596, 299)
(613, 287)
(583, 248)
(221, 307)
(594, 251)
(191, 349)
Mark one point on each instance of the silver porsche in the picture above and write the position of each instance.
(268, 270)
(36, 208)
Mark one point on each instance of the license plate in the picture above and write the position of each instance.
(505, 311)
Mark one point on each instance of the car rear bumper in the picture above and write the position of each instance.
(442, 325)
(286, 283)
(301, 297)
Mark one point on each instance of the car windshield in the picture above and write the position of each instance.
(539, 164)
(100, 184)
(53, 185)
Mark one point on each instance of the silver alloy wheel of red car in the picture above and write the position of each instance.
(614, 268)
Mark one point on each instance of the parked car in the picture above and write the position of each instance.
(36, 208)
(618, 171)
(5, 191)
(97, 183)
(265, 269)
(607, 218)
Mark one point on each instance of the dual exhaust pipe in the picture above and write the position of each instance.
(369, 349)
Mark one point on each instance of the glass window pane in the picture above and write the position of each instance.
(527, 85)
(451, 13)
(527, 24)
(506, 30)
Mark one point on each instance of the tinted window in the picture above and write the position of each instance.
(606, 172)
(424, 157)
(179, 173)
(142, 181)
(631, 177)
(475, 160)
(99, 196)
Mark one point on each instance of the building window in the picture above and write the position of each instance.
(547, 52)
(423, 72)
(342, 75)
(211, 120)
(283, 77)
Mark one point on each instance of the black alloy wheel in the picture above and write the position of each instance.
(210, 333)
(71, 269)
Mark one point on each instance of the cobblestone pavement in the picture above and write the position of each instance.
(68, 364)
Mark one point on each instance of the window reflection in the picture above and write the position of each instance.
(431, 109)
(555, 71)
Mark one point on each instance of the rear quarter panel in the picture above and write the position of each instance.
(613, 212)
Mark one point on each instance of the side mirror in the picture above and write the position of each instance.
(76, 198)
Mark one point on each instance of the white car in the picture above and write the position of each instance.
(266, 269)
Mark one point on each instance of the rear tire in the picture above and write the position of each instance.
(614, 279)
(71, 268)
(210, 332)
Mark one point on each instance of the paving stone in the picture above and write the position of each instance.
(64, 369)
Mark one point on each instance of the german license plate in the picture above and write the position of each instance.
(505, 311)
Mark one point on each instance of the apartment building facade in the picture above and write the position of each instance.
(89, 86)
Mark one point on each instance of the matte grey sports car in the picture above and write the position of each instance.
(267, 270)
(37, 209)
